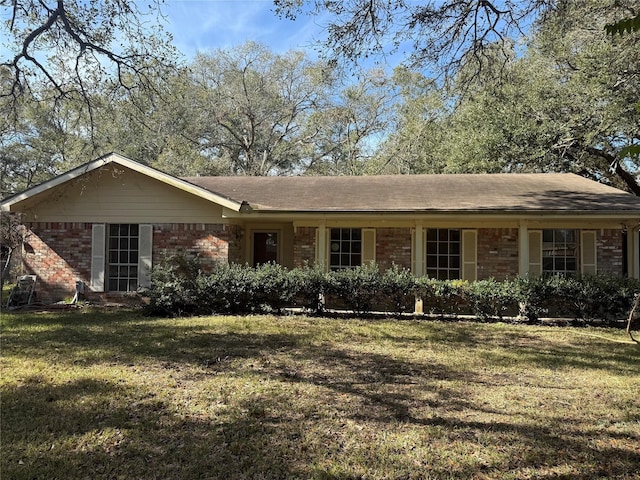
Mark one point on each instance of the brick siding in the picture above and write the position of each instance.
(609, 247)
(497, 253)
(393, 246)
(60, 253)
(304, 246)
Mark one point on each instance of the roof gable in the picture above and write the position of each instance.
(114, 158)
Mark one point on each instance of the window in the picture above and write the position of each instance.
(559, 252)
(122, 257)
(345, 248)
(443, 253)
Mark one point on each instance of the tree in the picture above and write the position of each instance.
(345, 134)
(567, 104)
(62, 49)
(12, 236)
(445, 34)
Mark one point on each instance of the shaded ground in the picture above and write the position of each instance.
(113, 395)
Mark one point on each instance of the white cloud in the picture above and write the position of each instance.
(210, 24)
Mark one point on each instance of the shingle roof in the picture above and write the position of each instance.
(423, 193)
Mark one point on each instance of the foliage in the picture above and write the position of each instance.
(441, 297)
(175, 285)
(181, 286)
(626, 25)
(358, 288)
(397, 285)
(445, 34)
(490, 299)
(59, 51)
(565, 104)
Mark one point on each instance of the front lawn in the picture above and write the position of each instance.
(116, 395)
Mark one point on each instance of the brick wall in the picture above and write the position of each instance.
(609, 244)
(304, 246)
(497, 253)
(60, 253)
(393, 246)
(211, 242)
(235, 237)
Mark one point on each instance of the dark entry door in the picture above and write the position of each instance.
(265, 247)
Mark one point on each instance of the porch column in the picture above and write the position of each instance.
(321, 245)
(418, 250)
(635, 254)
(523, 249)
(418, 259)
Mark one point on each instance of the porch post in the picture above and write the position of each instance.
(635, 255)
(321, 245)
(523, 249)
(418, 257)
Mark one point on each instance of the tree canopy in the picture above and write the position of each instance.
(62, 49)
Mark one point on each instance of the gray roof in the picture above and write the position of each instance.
(547, 192)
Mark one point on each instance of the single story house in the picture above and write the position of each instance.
(106, 223)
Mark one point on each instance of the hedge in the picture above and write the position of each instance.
(179, 286)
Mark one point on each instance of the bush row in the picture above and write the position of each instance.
(181, 287)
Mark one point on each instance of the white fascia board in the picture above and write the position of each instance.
(125, 162)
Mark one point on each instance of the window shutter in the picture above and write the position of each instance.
(413, 252)
(98, 249)
(368, 246)
(588, 251)
(535, 253)
(145, 254)
(469, 260)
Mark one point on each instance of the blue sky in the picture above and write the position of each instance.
(199, 25)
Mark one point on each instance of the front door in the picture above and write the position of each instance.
(265, 247)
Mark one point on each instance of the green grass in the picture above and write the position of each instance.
(116, 395)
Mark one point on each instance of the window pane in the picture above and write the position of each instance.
(432, 235)
(454, 235)
(356, 234)
(122, 257)
(356, 260)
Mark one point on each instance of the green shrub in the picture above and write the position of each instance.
(532, 294)
(397, 285)
(274, 288)
(310, 287)
(179, 287)
(441, 297)
(174, 286)
(358, 288)
(490, 299)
